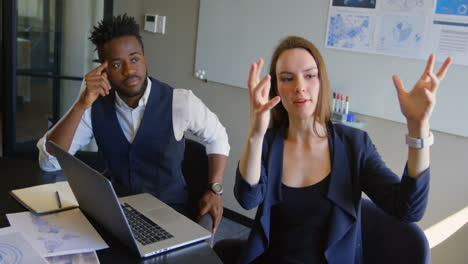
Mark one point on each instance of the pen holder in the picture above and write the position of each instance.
(342, 117)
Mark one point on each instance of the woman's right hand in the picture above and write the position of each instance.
(260, 106)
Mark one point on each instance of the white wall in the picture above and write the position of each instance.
(171, 58)
(77, 50)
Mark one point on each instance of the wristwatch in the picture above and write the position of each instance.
(420, 142)
(216, 187)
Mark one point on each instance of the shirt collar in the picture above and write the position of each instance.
(143, 100)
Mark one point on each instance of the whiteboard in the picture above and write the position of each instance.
(233, 34)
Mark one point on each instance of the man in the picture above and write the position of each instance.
(139, 123)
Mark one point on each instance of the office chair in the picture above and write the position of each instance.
(385, 239)
(195, 169)
(92, 159)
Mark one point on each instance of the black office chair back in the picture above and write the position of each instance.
(385, 239)
(195, 170)
(92, 159)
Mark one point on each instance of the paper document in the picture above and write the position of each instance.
(60, 233)
(80, 258)
(46, 197)
(14, 249)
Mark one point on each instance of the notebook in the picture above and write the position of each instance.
(165, 228)
(46, 198)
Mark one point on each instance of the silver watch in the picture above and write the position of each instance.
(216, 187)
(420, 142)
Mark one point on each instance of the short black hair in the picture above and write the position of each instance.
(113, 27)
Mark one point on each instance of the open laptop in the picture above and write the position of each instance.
(167, 229)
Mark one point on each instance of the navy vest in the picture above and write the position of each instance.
(152, 163)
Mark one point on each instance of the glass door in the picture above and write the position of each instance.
(52, 54)
(36, 35)
(2, 106)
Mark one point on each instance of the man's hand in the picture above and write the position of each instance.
(63, 132)
(211, 203)
(96, 84)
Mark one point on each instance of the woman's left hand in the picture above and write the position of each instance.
(417, 104)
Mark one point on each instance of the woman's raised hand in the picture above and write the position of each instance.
(417, 105)
(260, 106)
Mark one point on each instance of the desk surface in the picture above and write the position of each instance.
(15, 174)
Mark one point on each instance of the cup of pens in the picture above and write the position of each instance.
(340, 107)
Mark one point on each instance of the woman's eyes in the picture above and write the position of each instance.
(307, 76)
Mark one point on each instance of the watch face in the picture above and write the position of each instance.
(217, 188)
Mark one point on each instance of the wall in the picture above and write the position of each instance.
(77, 51)
(171, 58)
(251, 29)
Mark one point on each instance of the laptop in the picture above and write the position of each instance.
(163, 228)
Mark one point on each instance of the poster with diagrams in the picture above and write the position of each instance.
(449, 31)
(405, 28)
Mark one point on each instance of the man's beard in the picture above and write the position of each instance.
(126, 94)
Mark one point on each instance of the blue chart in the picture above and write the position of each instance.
(66, 232)
(452, 7)
(52, 236)
(10, 254)
(349, 31)
(401, 36)
(14, 249)
(402, 31)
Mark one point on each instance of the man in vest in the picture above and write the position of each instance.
(139, 123)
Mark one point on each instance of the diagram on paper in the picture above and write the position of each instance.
(80, 258)
(66, 232)
(10, 254)
(452, 7)
(51, 235)
(403, 5)
(349, 31)
(400, 35)
(14, 249)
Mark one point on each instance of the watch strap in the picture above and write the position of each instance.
(420, 142)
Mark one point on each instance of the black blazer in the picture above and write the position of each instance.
(356, 167)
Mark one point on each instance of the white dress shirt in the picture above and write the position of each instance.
(188, 114)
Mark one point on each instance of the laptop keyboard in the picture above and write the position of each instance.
(144, 230)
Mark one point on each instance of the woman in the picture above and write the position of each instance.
(307, 174)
